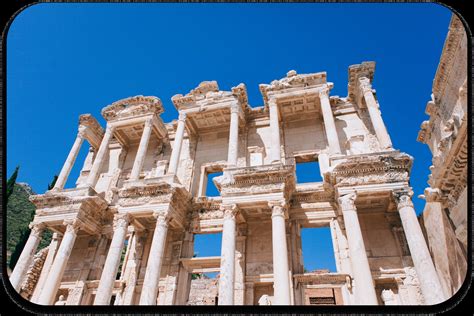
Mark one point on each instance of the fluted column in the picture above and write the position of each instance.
(142, 149)
(374, 113)
(178, 141)
(425, 270)
(155, 259)
(281, 281)
(232, 154)
(99, 159)
(329, 125)
(70, 160)
(109, 273)
(360, 264)
(275, 131)
(227, 270)
(26, 256)
(60, 261)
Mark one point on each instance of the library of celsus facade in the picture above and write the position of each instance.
(125, 234)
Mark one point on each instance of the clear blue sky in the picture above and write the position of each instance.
(67, 59)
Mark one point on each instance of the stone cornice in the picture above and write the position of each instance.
(365, 69)
(370, 169)
(292, 81)
(453, 42)
(131, 107)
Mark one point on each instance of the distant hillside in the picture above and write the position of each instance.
(20, 212)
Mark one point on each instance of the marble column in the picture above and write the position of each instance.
(227, 269)
(70, 160)
(52, 249)
(275, 131)
(109, 273)
(329, 125)
(281, 282)
(374, 113)
(56, 272)
(99, 158)
(155, 260)
(178, 142)
(142, 149)
(425, 270)
(360, 264)
(232, 154)
(26, 256)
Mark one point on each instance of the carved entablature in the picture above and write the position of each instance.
(311, 194)
(371, 169)
(132, 107)
(322, 278)
(156, 193)
(292, 81)
(453, 41)
(93, 132)
(257, 180)
(206, 93)
(364, 70)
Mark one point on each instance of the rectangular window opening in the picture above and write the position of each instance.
(207, 245)
(307, 172)
(318, 251)
(211, 189)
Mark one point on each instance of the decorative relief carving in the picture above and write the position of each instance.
(403, 198)
(347, 201)
(132, 106)
(229, 211)
(121, 220)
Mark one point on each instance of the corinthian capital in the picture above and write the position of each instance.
(121, 220)
(347, 201)
(81, 131)
(403, 198)
(279, 208)
(182, 116)
(364, 85)
(162, 217)
(234, 108)
(73, 225)
(323, 93)
(37, 228)
(229, 210)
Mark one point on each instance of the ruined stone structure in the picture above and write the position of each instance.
(446, 132)
(141, 195)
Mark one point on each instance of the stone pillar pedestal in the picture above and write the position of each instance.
(56, 272)
(109, 273)
(71, 158)
(155, 260)
(26, 256)
(227, 271)
(178, 141)
(329, 125)
(141, 152)
(425, 270)
(232, 154)
(374, 113)
(275, 131)
(281, 282)
(99, 159)
(360, 264)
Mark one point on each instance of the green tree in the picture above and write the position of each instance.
(11, 182)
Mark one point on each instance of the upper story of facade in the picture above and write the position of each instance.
(299, 122)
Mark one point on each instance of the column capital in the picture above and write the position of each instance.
(148, 121)
(272, 101)
(182, 116)
(279, 208)
(347, 201)
(162, 217)
(73, 225)
(403, 198)
(432, 195)
(323, 92)
(234, 108)
(121, 220)
(109, 129)
(36, 228)
(229, 210)
(365, 85)
(81, 131)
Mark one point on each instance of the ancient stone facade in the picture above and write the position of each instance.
(141, 195)
(446, 134)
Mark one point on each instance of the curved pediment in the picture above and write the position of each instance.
(132, 106)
